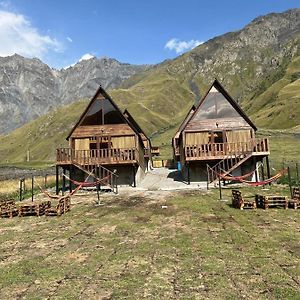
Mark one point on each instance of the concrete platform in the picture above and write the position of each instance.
(167, 180)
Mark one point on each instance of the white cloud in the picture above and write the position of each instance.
(17, 35)
(69, 39)
(86, 56)
(181, 46)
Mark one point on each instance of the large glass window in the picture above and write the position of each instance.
(102, 112)
(216, 106)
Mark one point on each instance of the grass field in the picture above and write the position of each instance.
(131, 248)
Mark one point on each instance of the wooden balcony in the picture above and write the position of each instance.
(99, 156)
(222, 150)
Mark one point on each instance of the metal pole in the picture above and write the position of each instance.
(20, 189)
(56, 180)
(290, 183)
(188, 171)
(220, 188)
(32, 188)
(98, 188)
(297, 172)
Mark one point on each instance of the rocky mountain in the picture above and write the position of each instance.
(247, 62)
(259, 65)
(29, 88)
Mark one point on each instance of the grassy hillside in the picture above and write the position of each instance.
(279, 105)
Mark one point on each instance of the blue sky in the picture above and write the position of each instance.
(60, 32)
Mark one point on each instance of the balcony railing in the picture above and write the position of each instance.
(221, 150)
(96, 156)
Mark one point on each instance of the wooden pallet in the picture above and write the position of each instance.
(34, 209)
(63, 206)
(267, 201)
(295, 201)
(239, 202)
(8, 209)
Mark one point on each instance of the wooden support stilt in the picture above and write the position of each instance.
(56, 180)
(133, 172)
(256, 175)
(63, 181)
(70, 177)
(188, 173)
(268, 168)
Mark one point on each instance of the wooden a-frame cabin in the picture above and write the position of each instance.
(217, 133)
(105, 142)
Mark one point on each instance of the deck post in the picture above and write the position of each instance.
(256, 175)
(56, 180)
(63, 181)
(268, 168)
(70, 177)
(133, 173)
(188, 172)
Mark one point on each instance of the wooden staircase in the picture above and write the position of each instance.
(107, 178)
(226, 166)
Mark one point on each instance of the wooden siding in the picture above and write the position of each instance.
(104, 130)
(217, 124)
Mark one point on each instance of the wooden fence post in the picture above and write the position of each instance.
(32, 188)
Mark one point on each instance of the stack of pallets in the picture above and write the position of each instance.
(34, 208)
(265, 201)
(8, 209)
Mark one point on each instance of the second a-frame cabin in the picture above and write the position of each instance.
(217, 134)
(106, 139)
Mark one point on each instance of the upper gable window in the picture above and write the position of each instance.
(102, 112)
(216, 106)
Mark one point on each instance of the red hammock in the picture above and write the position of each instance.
(238, 178)
(258, 183)
(264, 182)
(88, 184)
(51, 196)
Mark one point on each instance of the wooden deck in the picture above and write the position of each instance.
(94, 157)
(222, 150)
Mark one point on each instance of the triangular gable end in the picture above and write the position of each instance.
(217, 105)
(100, 111)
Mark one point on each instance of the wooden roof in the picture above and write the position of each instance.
(133, 122)
(106, 96)
(216, 84)
(185, 120)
